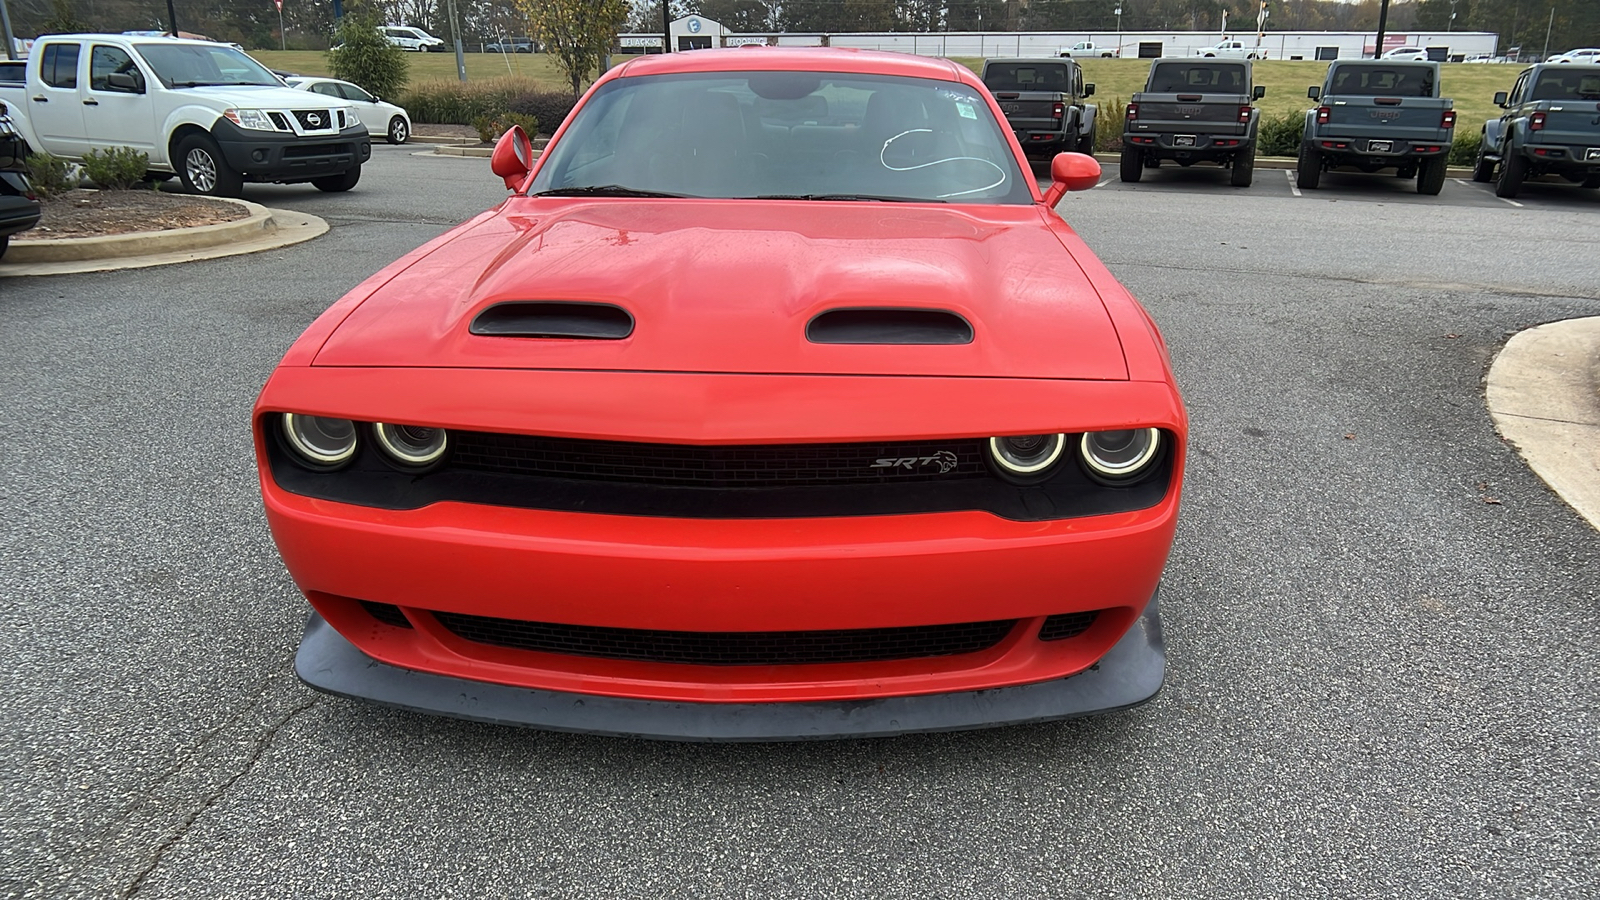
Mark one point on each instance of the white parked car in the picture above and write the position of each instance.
(1407, 53)
(407, 38)
(1586, 56)
(383, 119)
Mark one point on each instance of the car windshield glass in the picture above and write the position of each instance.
(1566, 85)
(801, 135)
(1018, 76)
(1383, 81)
(193, 65)
(1197, 78)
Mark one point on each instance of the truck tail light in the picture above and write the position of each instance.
(1536, 122)
(1058, 110)
(1323, 114)
(1244, 113)
(1133, 111)
(1449, 120)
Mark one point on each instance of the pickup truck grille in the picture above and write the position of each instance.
(314, 119)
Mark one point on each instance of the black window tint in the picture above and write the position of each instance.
(1197, 78)
(105, 60)
(1384, 81)
(60, 67)
(1025, 77)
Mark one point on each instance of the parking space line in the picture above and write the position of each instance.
(1295, 188)
(1103, 183)
(1512, 202)
(1462, 181)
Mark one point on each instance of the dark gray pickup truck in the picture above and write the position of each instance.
(1044, 103)
(1193, 111)
(1379, 114)
(1551, 127)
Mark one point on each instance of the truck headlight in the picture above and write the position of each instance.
(254, 119)
(351, 118)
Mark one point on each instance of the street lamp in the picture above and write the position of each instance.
(1451, 25)
(1118, 12)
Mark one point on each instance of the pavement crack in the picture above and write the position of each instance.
(178, 832)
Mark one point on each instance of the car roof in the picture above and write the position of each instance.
(803, 59)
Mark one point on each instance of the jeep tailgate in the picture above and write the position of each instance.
(1402, 118)
(1208, 113)
(1575, 122)
(1030, 110)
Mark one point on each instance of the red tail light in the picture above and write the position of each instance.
(1449, 119)
(1323, 113)
(1133, 111)
(1058, 110)
(1244, 114)
(1536, 122)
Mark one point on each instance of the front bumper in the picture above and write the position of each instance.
(1131, 673)
(17, 214)
(289, 158)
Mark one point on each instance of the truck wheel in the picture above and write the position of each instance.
(203, 169)
(1308, 171)
(1132, 164)
(398, 131)
(1430, 175)
(1244, 167)
(335, 184)
(5, 241)
(1483, 169)
(1086, 144)
(1513, 171)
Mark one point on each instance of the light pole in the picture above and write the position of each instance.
(1451, 25)
(1383, 23)
(5, 30)
(1118, 11)
(283, 39)
(455, 30)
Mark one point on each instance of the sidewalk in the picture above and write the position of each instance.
(1543, 392)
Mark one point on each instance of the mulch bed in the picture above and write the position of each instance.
(95, 213)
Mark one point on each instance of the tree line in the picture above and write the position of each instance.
(309, 23)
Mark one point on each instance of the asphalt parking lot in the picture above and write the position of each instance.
(1380, 625)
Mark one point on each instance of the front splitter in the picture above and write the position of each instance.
(1128, 675)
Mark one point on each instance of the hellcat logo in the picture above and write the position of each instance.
(944, 459)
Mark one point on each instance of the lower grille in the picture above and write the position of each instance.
(1067, 625)
(295, 152)
(387, 613)
(725, 466)
(739, 648)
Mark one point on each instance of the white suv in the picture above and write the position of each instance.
(407, 38)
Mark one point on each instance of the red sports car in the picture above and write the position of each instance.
(775, 403)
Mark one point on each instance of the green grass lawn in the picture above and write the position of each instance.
(432, 66)
(1472, 86)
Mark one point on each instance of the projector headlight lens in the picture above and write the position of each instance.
(1120, 455)
(414, 446)
(1027, 454)
(320, 442)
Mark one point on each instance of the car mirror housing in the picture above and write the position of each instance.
(513, 157)
(126, 82)
(1260, 91)
(1088, 89)
(1314, 92)
(1071, 172)
(1500, 99)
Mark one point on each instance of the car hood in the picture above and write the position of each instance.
(729, 286)
(261, 96)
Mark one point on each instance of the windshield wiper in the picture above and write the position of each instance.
(179, 84)
(604, 190)
(874, 198)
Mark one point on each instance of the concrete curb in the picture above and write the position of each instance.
(1543, 392)
(444, 150)
(288, 227)
(1278, 162)
(145, 243)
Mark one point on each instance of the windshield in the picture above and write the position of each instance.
(791, 135)
(1011, 76)
(193, 65)
(1198, 78)
(1383, 81)
(1559, 85)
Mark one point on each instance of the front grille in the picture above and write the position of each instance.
(387, 613)
(721, 467)
(308, 150)
(737, 648)
(314, 119)
(1067, 625)
(279, 122)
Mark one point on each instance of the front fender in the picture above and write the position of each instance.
(24, 130)
(199, 116)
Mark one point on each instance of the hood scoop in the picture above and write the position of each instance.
(554, 319)
(893, 325)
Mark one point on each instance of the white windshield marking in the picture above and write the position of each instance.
(949, 159)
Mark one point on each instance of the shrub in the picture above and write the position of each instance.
(1464, 150)
(1108, 125)
(115, 169)
(491, 127)
(551, 108)
(460, 103)
(1280, 135)
(366, 57)
(51, 175)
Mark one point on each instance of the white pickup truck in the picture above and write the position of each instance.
(1232, 50)
(1089, 48)
(202, 110)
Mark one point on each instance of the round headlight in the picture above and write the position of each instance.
(411, 445)
(1027, 454)
(320, 442)
(1120, 455)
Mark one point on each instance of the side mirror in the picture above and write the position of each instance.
(1314, 92)
(1070, 172)
(1088, 89)
(513, 157)
(1500, 99)
(126, 82)
(1260, 91)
